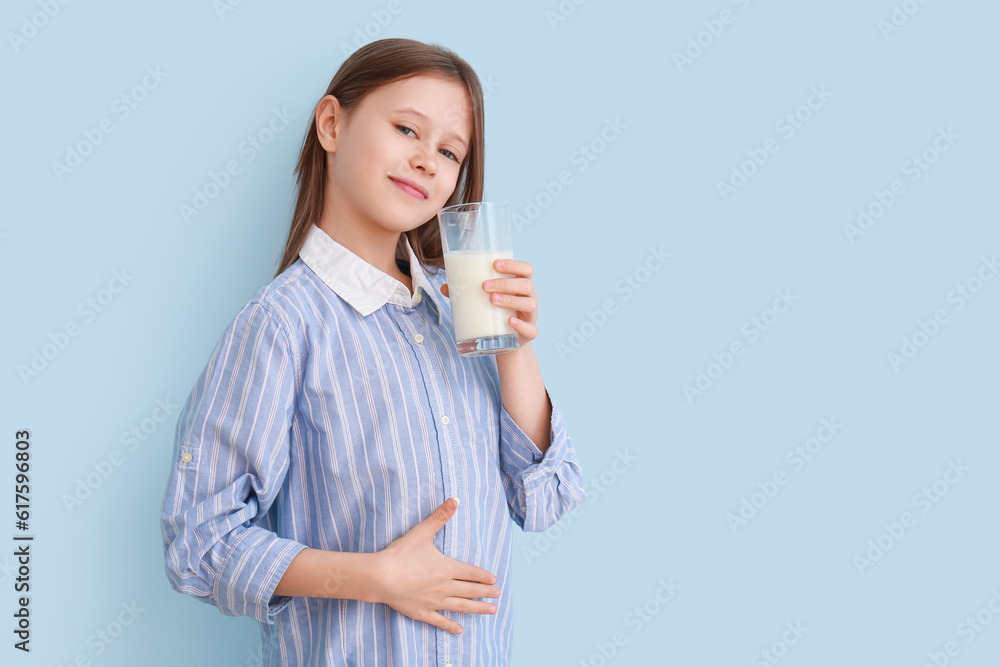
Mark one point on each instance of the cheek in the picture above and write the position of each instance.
(379, 158)
(442, 194)
(376, 153)
(452, 176)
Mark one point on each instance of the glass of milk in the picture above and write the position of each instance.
(473, 236)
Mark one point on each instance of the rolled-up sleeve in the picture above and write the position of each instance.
(230, 459)
(540, 488)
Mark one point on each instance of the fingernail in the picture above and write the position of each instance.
(499, 264)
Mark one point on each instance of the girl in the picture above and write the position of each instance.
(321, 456)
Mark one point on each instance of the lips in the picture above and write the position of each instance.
(409, 187)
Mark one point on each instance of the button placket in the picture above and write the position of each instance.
(436, 390)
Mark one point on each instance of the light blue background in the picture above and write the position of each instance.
(663, 516)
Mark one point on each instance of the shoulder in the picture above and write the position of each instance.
(284, 298)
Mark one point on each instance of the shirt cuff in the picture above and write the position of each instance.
(548, 485)
(251, 572)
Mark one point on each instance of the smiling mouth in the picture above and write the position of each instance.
(408, 189)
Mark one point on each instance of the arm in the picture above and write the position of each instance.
(523, 394)
(541, 484)
(332, 574)
(230, 459)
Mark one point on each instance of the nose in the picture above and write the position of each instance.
(424, 158)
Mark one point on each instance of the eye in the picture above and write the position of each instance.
(445, 150)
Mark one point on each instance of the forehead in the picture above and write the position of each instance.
(444, 101)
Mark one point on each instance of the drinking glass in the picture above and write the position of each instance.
(473, 236)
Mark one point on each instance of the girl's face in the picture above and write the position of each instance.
(416, 130)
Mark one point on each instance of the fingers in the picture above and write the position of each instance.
(510, 286)
(470, 606)
(460, 605)
(520, 268)
(439, 620)
(469, 572)
(469, 590)
(530, 331)
(441, 514)
(524, 304)
(445, 510)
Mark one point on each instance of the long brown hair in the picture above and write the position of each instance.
(376, 64)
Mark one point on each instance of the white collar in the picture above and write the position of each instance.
(359, 283)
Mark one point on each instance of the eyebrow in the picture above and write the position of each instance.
(423, 117)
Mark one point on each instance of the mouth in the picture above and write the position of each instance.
(409, 187)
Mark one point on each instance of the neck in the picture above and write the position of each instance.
(374, 244)
(380, 255)
(379, 252)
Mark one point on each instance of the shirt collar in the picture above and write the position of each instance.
(360, 284)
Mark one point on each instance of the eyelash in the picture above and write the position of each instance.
(453, 156)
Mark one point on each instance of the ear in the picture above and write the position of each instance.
(329, 122)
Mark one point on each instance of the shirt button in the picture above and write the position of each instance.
(186, 457)
(417, 297)
(445, 420)
(447, 664)
(524, 508)
(419, 338)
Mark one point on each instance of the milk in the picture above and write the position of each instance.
(474, 314)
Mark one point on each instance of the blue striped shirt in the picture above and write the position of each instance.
(335, 413)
